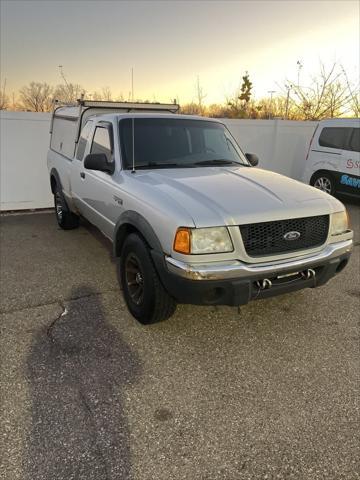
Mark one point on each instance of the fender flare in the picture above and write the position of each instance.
(131, 220)
(54, 173)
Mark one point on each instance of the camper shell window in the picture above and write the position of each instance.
(63, 136)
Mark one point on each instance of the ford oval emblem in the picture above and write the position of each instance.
(292, 236)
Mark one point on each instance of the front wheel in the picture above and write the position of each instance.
(145, 296)
(66, 219)
(324, 182)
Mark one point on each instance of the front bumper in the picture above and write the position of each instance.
(236, 269)
(236, 283)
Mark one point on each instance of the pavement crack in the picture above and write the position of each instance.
(49, 331)
(56, 302)
(77, 366)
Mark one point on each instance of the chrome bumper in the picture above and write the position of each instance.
(236, 269)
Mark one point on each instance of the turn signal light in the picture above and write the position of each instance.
(182, 240)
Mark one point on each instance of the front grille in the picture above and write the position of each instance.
(267, 238)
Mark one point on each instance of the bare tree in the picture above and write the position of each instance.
(275, 107)
(37, 97)
(4, 100)
(68, 93)
(104, 94)
(216, 110)
(191, 109)
(200, 96)
(354, 93)
(327, 96)
(120, 98)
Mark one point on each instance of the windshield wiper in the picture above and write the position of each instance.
(161, 165)
(217, 161)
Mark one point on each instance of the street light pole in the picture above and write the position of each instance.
(271, 98)
(300, 65)
(132, 84)
(288, 87)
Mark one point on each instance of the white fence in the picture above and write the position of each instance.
(281, 145)
(24, 182)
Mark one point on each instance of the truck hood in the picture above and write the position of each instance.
(238, 195)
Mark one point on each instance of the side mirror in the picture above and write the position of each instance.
(252, 158)
(98, 161)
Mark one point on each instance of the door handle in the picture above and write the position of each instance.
(82, 174)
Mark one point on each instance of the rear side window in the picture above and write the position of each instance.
(355, 140)
(83, 141)
(101, 142)
(335, 137)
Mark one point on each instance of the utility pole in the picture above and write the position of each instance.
(271, 99)
(300, 66)
(132, 84)
(288, 87)
(62, 75)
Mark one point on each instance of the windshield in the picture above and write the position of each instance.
(169, 143)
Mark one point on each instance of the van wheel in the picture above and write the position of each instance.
(145, 296)
(324, 182)
(65, 219)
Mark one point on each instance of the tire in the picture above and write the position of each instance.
(145, 296)
(324, 181)
(65, 219)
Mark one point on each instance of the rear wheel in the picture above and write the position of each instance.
(66, 219)
(324, 182)
(145, 296)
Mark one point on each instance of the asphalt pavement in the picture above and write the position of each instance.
(87, 393)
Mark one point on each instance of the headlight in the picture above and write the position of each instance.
(339, 223)
(202, 240)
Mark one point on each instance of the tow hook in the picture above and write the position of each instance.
(307, 274)
(264, 284)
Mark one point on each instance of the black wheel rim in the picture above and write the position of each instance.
(134, 278)
(58, 207)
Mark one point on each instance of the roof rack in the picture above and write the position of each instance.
(170, 107)
(78, 111)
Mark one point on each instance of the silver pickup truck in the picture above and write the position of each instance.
(190, 217)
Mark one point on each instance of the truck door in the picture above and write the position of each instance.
(97, 192)
(83, 148)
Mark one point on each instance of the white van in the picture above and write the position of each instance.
(333, 159)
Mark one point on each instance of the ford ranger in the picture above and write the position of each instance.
(191, 218)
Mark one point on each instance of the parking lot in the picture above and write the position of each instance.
(269, 392)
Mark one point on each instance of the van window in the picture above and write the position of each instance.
(83, 140)
(355, 140)
(334, 137)
(101, 142)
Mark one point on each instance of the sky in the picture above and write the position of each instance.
(171, 43)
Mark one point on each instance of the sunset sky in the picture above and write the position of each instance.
(169, 43)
